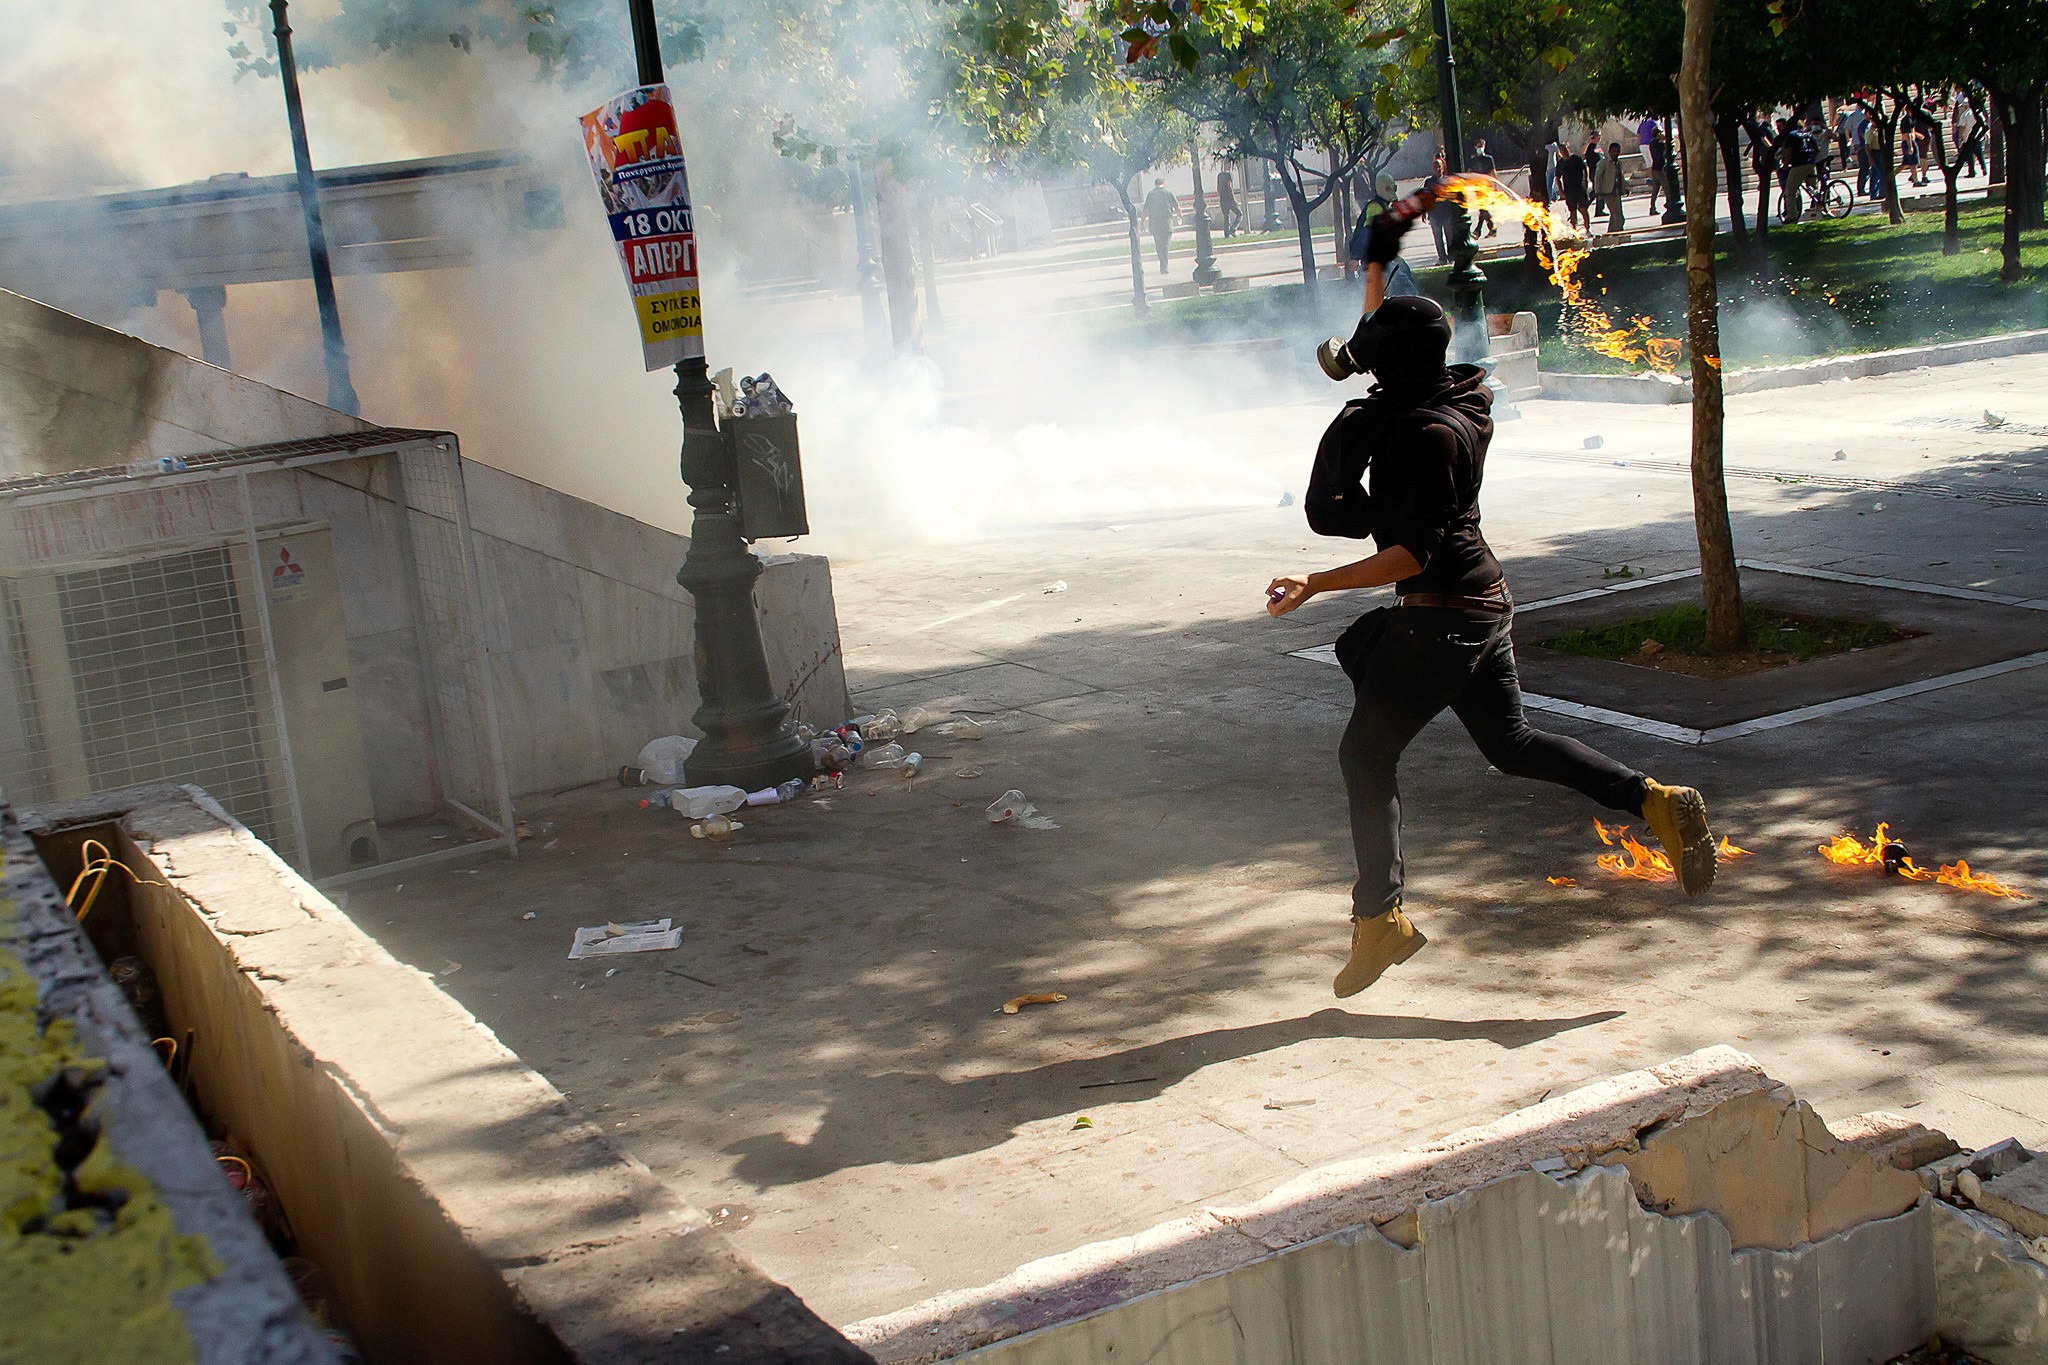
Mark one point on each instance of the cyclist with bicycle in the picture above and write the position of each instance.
(1797, 154)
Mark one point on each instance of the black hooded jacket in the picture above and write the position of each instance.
(1424, 446)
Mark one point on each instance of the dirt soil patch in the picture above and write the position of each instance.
(1675, 639)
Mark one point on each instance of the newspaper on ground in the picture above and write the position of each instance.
(643, 936)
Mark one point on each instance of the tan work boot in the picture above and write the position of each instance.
(1376, 944)
(1678, 817)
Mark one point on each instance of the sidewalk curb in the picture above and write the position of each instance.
(1664, 388)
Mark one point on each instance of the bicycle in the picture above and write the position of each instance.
(1821, 196)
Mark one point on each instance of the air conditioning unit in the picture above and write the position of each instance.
(153, 667)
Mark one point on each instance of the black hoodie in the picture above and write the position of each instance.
(1425, 466)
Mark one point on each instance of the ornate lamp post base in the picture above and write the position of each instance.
(749, 738)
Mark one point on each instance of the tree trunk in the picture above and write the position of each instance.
(928, 257)
(893, 236)
(1304, 233)
(1731, 165)
(1888, 160)
(1123, 194)
(1720, 588)
(1345, 214)
(1766, 181)
(2022, 142)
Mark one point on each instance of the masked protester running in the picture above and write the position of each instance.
(1403, 466)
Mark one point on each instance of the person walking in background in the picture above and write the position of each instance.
(1607, 185)
(1441, 213)
(1912, 158)
(1593, 158)
(1571, 186)
(1162, 211)
(1483, 164)
(1873, 161)
(1965, 129)
(1646, 133)
(1226, 204)
(1553, 158)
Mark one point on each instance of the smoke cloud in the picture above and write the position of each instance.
(529, 353)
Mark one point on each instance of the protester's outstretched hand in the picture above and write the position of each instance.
(1285, 594)
(1383, 238)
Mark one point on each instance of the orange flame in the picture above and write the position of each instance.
(1638, 860)
(1846, 850)
(1562, 249)
(1562, 881)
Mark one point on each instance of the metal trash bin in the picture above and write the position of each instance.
(771, 476)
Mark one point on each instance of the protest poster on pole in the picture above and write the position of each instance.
(637, 156)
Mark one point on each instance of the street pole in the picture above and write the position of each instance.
(1205, 249)
(341, 393)
(750, 738)
(1674, 203)
(1467, 281)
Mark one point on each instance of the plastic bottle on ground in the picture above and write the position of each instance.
(913, 764)
(887, 756)
(916, 718)
(884, 727)
(965, 729)
(792, 789)
(1008, 806)
(660, 800)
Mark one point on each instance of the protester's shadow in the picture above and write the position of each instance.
(905, 1117)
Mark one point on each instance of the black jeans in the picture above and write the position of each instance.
(1409, 663)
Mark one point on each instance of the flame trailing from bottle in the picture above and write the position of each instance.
(1846, 850)
(1638, 860)
(1562, 249)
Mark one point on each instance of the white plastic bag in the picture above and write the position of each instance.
(663, 759)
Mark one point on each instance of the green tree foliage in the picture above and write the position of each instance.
(1313, 92)
(1521, 65)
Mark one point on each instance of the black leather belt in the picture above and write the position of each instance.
(1494, 598)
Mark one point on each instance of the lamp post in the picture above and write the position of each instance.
(750, 739)
(1205, 249)
(1674, 191)
(341, 393)
(1467, 280)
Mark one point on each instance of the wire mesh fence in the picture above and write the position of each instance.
(295, 630)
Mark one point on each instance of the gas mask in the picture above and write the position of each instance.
(1404, 340)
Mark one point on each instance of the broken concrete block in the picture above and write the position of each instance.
(1990, 1297)
(2020, 1197)
(2000, 1157)
(1770, 1170)
(1894, 1139)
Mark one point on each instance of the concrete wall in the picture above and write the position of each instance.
(592, 641)
(464, 1212)
(1693, 1212)
(144, 1254)
(75, 395)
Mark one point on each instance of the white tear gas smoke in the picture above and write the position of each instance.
(1771, 331)
(528, 351)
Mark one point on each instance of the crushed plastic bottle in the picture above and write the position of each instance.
(660, 800)
(913, 764)
(695, 803)
(917, 718)
(886, 756)
(792, 789)
(1008, 806)
(882, 727)
(965, 728)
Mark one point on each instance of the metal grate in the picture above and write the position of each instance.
(149, 639)
(161, 673)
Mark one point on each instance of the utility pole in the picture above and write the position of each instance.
(341, 393)
(750, 739)
(1467, 280)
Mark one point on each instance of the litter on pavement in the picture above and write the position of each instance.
(607, 939)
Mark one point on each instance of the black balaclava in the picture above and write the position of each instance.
(1403, 341)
